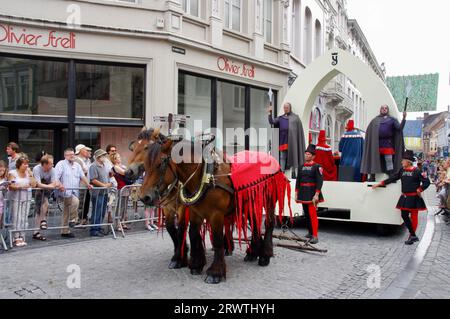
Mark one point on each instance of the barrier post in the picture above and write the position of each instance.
(123, 215)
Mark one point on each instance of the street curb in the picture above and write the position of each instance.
(399, 285)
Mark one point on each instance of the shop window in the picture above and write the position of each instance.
(106, 91)
(194, 99)
(233, 14)
(33, 87)
(260, 133)
(239, 99)
(231, 116)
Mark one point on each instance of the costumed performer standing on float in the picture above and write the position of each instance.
(384, 145)
(324, 157)
(351, 147)
(414, 183)
(291, 139)
(309, 192)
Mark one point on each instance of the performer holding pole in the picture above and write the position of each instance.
(270, 95)
(414, 183)
(309, 192)
(291, 139)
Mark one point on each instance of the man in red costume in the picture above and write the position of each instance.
(324, 157)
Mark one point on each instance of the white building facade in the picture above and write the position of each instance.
(318, 26)
(95, 71)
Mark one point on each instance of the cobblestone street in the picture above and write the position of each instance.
(136, 267)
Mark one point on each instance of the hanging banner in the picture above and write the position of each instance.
(424, 91)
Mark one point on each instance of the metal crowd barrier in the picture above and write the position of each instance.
(23, 211)
(129, 209)
(2, 216)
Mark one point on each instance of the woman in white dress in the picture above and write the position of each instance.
(20, 194)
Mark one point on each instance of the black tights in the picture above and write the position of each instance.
(308, 218)
(410, 223)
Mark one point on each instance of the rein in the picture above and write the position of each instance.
(165, 164)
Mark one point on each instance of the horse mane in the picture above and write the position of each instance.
(145, 135)
(153, 152)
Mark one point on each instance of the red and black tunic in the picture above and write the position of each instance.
(309, 183)
(413, 181)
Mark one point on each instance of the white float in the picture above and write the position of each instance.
(350, 202)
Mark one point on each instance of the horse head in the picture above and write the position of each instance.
(160, 174)
(139, 149)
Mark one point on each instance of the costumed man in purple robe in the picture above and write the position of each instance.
(384, 144)
(351, 147)
(291, 139)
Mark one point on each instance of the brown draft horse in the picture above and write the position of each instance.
(171, 209)
(215, 206)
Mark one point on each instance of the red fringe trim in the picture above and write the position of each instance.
(253, 200)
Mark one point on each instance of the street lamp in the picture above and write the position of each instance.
(408, 92)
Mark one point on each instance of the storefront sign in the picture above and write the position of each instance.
(229, 66)
(52, 39)
(179, 50)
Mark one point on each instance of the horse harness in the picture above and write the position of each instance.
(208, 181)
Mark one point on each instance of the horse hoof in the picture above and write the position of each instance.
(172, 265)
(196, 272)
(250, 258)
(213, 280)
(264, 261)
(177, 265)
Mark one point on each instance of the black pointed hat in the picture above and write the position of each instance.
(311, 149)
(408, 155)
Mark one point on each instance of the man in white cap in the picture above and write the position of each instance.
(83, 157)
(99, 177)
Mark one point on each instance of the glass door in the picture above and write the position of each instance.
(231, 116)
(33, 140)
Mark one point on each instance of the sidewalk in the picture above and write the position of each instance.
(432, 280)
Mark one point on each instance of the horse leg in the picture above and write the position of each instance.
(217, 272)
(267, 244)
(228, 240)
(255, 246)
(179, 259)
(198, 258)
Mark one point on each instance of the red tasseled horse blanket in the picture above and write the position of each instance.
(259, 184)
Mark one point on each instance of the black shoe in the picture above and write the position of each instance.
(411, 240)
(97, 234)
(314, 241)
(72, 224)
(70, 235)
(308, 236)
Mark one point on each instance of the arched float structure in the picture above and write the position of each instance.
(355, 202)
(313, 79)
